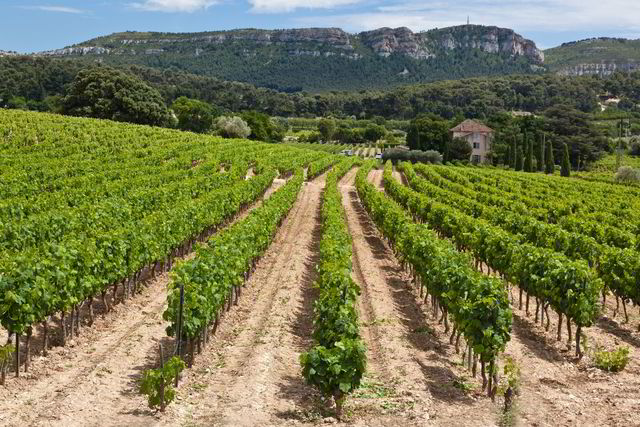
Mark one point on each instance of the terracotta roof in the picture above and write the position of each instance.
(471, 126)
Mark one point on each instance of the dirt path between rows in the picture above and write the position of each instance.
(412, 372)
(250, 372)
(376, 178)
(399, 176)
(93, 381)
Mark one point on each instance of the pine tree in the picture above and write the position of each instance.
(540, 164)
(528, 163)
(566, 166)
(519, 159)
(550, 165)
(514, 152)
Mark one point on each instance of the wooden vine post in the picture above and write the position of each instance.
(163, 404)
(179, 332)
(17, 355)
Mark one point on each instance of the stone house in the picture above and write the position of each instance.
(478, 135)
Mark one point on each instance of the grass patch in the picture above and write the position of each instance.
(509, 418)
(462, 385)
(371, 389)
(425, 330)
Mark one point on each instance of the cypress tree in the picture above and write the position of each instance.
(514, 152)
(566, 166)
(540, 163)
(528, 164)
(508, 162)
(519, 159)
(550, 165)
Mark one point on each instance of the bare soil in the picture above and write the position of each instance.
(376, 178)
(250, 373)
(414, 377)
(558, 388)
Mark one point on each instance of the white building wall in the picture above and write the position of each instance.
(482, 140)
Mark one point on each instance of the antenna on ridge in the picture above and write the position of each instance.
(467, 19)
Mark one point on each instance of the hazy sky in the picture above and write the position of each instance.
(35, 25)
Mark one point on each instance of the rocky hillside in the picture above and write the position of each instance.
(601, 56)
(322, 58)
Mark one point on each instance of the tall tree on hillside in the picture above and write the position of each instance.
(428, 132)
(107, 93)
(566, 165)
(263, 128)
(572, 127)
(458, 149)
(540, 163)
(327, 128)
(193, 115)
(519, 159)
(373, 133)
(528, 163)
(508, 161)
(514, 155)
(549, 162)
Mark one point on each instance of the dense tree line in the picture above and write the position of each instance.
(520, 142)
(563, 106)
(35, 83)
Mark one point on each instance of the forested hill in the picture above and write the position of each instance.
(39, 83)
(322, 59)
(597, 56)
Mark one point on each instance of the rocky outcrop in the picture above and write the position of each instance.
(386, 41)
(600, 69)
(334, 37)
(487, 39)
(320, 42)
(600, 56)
(8, 53)
(79, 50)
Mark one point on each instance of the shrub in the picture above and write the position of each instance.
(635, 147)
(311, 137)
(327, 128)
(6, 356)
(414, 156)
(263, 128)
(627, 175)
(232, 127)
(612, 361)
(156, 383)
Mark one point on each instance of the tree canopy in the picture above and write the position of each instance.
(193, 115)
(429, 132)
(107, 93)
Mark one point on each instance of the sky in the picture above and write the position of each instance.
(37, 25)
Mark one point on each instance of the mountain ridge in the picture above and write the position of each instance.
(321, 59)
(383, 41)
(594, 56)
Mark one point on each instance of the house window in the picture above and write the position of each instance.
(475, 158)
(476, 145)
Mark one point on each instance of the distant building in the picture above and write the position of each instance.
(478, 135)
